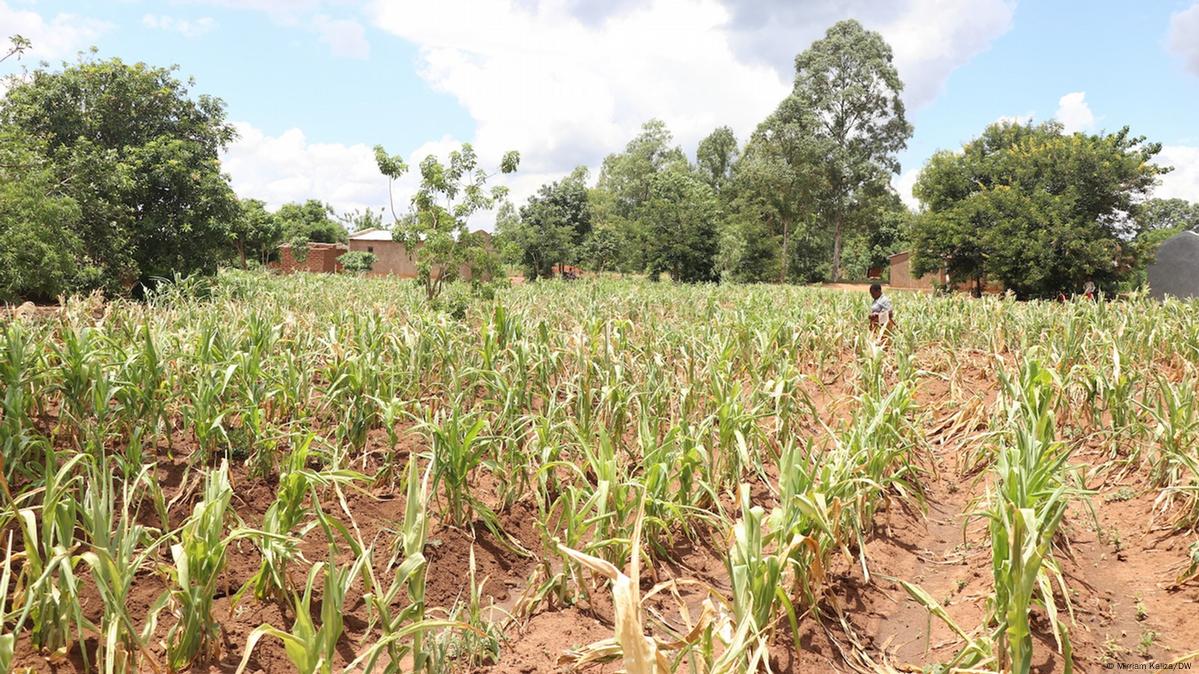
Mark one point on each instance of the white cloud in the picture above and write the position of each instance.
(287, 167)
(1183, 39)
(186, 27)
(565, 92)
(1183, 181)
(345, 37)
(929, 38)
(903, 184)
(1074, 113)
(53, 38)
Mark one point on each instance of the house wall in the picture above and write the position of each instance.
(901, 274)
(322, 257)
(392, 259)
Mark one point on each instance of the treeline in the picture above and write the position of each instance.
(806, 197)
(110, 178)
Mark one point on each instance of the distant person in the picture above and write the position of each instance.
(1089, 291)
(881, 312)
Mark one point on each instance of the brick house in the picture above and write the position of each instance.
(322, 257)
(391, 257)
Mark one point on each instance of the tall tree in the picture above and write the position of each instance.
(624, 184)
(847, 94)
(682, 213)
(1173, 214)
(771, 199)
(552, 226)
(310, 222)
(716, 156)
(1034, 208)
(256, 232)
(436, 228)
(141, 158)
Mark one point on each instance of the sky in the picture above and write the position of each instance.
(313, 85)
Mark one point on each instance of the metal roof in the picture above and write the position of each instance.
(374, 234)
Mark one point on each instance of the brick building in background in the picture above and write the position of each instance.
(322, 257)
(391, 257)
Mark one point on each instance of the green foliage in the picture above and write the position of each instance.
(139, 155)
(39, 251)
(1171, 214)
(1036, 209)
(436, 229)
(716, 156)
(356, 261)
(256, 232)
(847, 101)
(551, 227)
(682, 214)
(311, 221)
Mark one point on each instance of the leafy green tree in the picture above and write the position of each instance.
(552, 226)
(39, 249)
(846, 98)
(682, 214)
(1172, 214)
(604, 248)
(436, 230)
(773, 233)
(624, 186)
(17, 45)
(1036, 209)
(356, 261)
(716, 156)
(311, 222)
(256, 232)
(139, 155)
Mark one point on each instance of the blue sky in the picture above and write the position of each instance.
(313, 84)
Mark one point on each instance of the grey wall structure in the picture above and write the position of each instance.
(1176, 270)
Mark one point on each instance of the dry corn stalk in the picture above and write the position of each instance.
(639, 652)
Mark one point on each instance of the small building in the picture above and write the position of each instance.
(901, 277)
(901, 274)
(392, 257)
(322, 257)
(1175, 271)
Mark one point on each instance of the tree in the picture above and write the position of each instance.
(624, 186)
(436, 230)
(1038, 210)
(847, 98)
(356, 261)
(39, 250)
(1172, 214)
(17, 45)
(682, 215)
(141, 159)
(551, 227)
(256, 232)
(716, 156)
(310, 222)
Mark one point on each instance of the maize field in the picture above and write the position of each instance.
(324, 474)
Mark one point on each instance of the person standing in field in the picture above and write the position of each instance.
(881, 310)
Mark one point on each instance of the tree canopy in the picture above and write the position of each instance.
(846, 106)
(1037, 209)
(435, 229)
(138, 156)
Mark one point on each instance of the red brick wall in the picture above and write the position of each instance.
(322, 257)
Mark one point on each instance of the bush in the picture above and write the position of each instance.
(357, 261)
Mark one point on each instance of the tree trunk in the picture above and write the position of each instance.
(786, 261)
(835, 272)
(241, 250)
